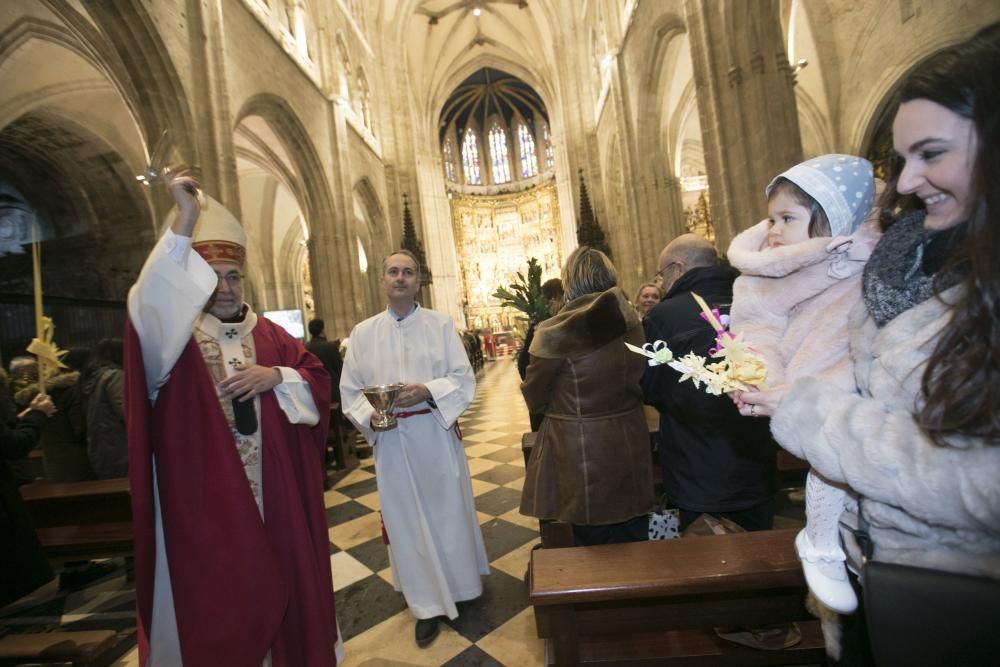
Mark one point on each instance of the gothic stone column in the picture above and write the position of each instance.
(746, 104)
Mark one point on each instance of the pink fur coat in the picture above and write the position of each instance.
(792, 302)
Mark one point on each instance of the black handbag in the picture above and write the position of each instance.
(919, 616)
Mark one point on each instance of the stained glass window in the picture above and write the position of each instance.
(529, 161)
(449, 160)
(550, 154)
(498, 154)
(470, 158)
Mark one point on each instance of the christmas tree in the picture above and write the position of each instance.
(588, 231)
(411, 243)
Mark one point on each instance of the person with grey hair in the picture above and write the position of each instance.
(591, 464)
(714, 461)
(425, 490)
(226, 420)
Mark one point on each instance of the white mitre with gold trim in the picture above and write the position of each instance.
(218, 235)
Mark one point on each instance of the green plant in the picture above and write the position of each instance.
(525, 294)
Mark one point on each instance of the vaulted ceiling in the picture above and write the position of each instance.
(446, 41)
(488, 92)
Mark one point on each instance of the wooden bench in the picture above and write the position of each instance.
(658, 602)
(86, 542)
(60, 504)
(341, 454)
(36, 463)
(81, 520)
(76, 648)
(791, 470)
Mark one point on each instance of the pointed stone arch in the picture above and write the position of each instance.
(371, 231)
(661, 111)
(344, 67)
(374, 209)
(152, 95)
(317, 201)
(294, 162)
(129, 45)
(71, 147)
(880, 102)
(91, 212)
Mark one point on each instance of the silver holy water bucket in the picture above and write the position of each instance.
(382, 397)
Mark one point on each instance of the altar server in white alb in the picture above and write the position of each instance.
(435, 545)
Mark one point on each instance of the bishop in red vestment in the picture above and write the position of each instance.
(227, 422)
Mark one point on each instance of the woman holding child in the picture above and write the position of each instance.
(919, 441)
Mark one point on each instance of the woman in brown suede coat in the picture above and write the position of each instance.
(591, 465)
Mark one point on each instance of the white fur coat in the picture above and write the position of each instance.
(928, 506)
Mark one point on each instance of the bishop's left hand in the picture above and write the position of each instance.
(250, 380)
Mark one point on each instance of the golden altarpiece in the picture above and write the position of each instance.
(495, 236)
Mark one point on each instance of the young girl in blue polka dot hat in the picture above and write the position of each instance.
(800, 278)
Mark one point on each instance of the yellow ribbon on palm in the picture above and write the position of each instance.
(43, 344)
(741, 368)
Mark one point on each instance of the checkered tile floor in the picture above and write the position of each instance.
(106, 604)
(496, 629)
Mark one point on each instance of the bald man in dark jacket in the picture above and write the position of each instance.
(714, 460)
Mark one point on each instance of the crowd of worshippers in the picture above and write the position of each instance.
(78, 425)
(878, 322)
(877, 318)
(85, 438)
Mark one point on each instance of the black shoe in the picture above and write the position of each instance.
(427, 630)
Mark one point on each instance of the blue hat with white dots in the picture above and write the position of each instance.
(843, 185)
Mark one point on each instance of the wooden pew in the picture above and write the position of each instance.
(340, 448)
(76, 648)
(791, 470)
(95, 501)
(36, 463)
(657, 602)
(81, 520)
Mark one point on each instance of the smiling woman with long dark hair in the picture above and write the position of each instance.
(961, 384)
(918, 444)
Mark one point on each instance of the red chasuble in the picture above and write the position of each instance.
(241, 586)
